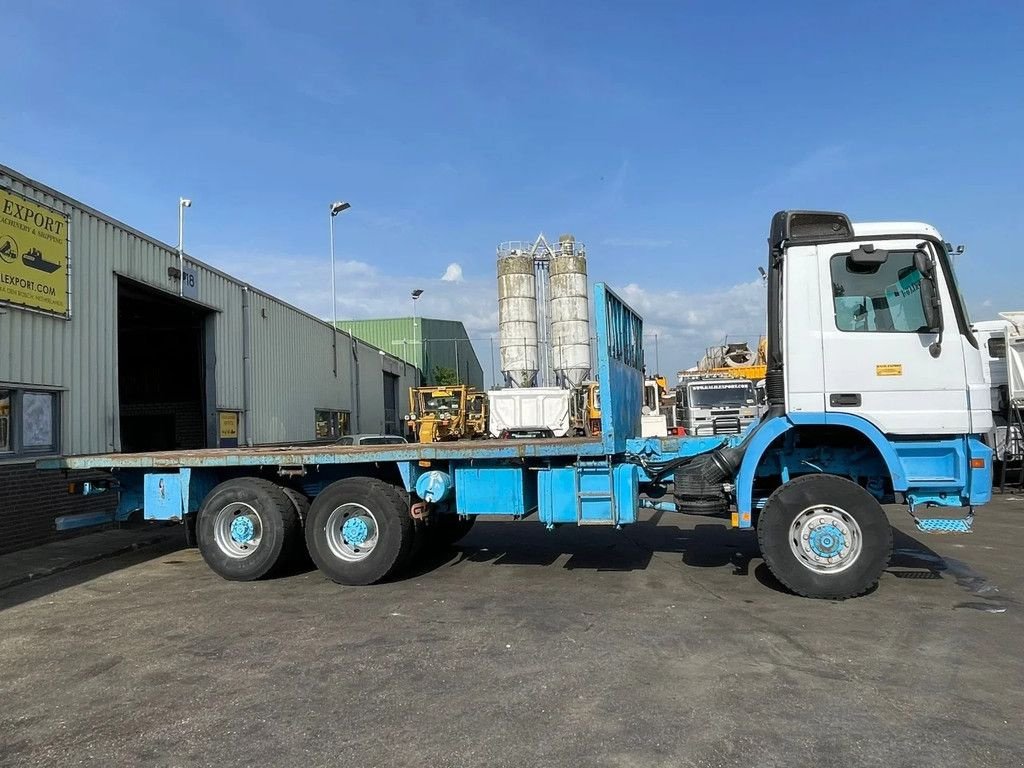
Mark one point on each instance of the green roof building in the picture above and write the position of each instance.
(426, 343)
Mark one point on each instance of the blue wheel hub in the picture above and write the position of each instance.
(355, 531)
(827, 540)
(242, 529)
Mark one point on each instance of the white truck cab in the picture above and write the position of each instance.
(882, 333)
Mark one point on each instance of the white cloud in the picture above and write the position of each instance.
(453, 274)
(685, 324)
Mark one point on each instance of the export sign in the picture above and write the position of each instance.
(33, 255)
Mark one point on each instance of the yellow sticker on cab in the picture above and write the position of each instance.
(889, 369)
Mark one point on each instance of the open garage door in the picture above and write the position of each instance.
(161, 354)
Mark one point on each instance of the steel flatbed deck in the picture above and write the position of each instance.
(321, 454)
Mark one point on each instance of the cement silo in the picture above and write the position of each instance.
(570, 313)
(517, 315)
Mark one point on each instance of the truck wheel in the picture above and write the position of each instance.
(243, 528)
(296, 546)
(825, 536)
(359, 530)
(448, 529)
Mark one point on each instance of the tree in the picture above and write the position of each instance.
(444, 376)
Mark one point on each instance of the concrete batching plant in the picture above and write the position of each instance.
(543, 313)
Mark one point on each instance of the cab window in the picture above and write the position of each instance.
(883, 298)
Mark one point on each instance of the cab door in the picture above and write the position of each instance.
(884, 358)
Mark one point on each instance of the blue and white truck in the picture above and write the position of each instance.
(875, 392)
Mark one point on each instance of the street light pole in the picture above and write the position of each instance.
(416, 293)
(336, 208)
(183, 203)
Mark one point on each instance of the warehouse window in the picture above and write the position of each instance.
(329, 424)
(29, 422)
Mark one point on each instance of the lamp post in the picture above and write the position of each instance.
(416, 293)
(336, 207)
(183, 203)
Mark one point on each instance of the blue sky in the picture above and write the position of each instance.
(663, 134)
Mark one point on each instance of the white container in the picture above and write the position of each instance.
(529, 409)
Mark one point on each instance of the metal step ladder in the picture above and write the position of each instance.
(609, 495)
(1013, 447)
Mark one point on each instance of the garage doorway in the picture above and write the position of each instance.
(161, 370)
(391, 420)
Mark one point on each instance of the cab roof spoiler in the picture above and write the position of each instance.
(808, 227)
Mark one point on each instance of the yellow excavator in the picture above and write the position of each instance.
(442, 413)
(586, 410)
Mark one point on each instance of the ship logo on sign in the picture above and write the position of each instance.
(8, 249)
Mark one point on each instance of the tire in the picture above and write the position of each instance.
(359, 531)
(297, 552)
(270, 522)
(824, 536)
(446, 530)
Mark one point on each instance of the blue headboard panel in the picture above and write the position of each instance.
(620, 362)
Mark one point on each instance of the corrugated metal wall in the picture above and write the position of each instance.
(394, 335)
(429, 344)
(446, 345)
(293, 370)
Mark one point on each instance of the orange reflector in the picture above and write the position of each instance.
(424, 463)
(735, 520)
(977, 463)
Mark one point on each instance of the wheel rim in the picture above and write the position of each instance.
(352, 532)
(825, 539)
(238, 530)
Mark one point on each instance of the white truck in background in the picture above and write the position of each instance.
(1001, 343)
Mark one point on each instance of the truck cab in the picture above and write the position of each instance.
(712, 404)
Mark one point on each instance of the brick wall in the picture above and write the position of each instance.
(30, 500)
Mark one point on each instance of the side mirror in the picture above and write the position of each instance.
(930, 301)
(924, 263)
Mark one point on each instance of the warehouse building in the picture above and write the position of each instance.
(428, 344)
(109, 342)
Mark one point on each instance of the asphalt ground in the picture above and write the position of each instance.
(665, 644)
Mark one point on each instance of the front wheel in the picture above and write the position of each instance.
(824, 536)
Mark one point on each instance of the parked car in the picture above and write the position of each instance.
(371, 440)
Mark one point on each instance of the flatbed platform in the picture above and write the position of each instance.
(334, 454)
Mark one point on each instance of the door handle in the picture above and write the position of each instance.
(844, 400)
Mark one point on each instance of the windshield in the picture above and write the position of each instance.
(721, 395)
(384, 440)
(439, 404)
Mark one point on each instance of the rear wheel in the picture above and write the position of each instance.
(359, 530)
(244, 527)
(825, 536)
